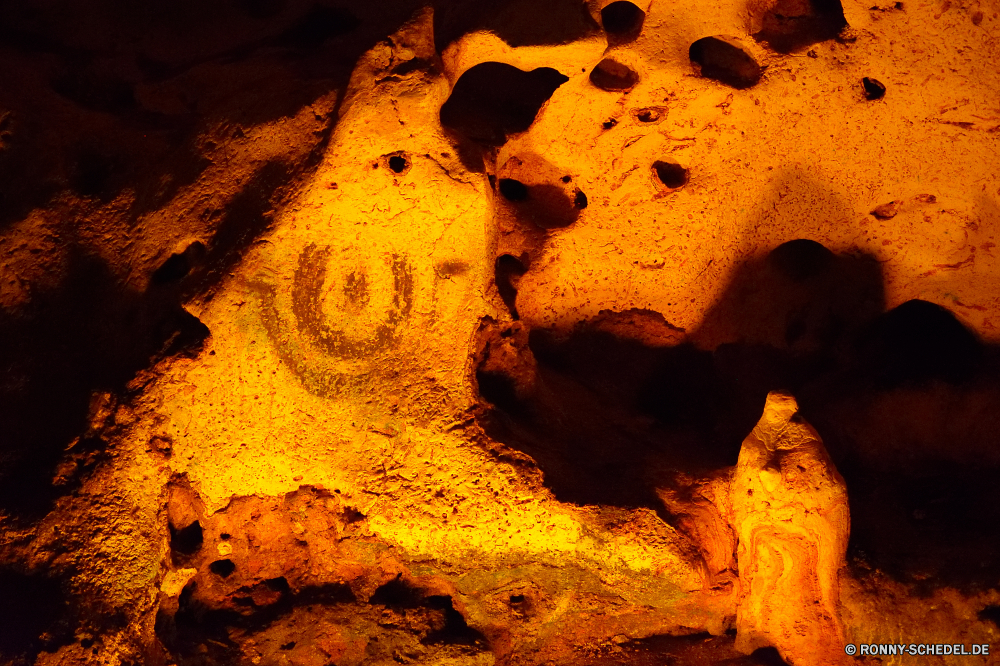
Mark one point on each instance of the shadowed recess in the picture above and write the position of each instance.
(222, 568)
(723, 59)
(508, 269)
(693, 650)
(613, 76)
(919, 342)
(493, 100)
(671, 174)
(88, 334)
(545, 205)
(622, 21)
(316, 26)
(874, 89)
(32, 617)
(792, 25)
(800, 259)
(517, 22)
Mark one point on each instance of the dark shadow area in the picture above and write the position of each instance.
(207, 625)
(517, 22)
(456, 631)
(616, 408)
(247, 216)
(262, 9)
(792, 25)
(178, 265)
(723, 59)
(222, 568)
(874, 89)
(398, 593)
(89, 334)
(186, 541)
(670, 174)
(316, 26)
(507, 270)
(306, 50)
(543, 205)
(692, 650)
(34, 616)
(919, 342)
(622, 21)
(493, 100)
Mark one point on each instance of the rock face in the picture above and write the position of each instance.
(791, 516)
(429, 331)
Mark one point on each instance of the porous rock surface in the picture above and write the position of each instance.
(370, 333)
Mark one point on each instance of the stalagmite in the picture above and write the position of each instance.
(792, 519)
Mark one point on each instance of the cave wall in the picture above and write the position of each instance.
(355, 334)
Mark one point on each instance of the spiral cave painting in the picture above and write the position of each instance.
(564, 332)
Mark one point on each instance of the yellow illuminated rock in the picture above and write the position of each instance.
(392, 333)
(791, 516)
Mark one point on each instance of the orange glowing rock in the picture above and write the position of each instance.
(792, 519)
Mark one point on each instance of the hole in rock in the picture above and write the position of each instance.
(671, 174)
(398, 163)
(507, 269)
(493, 100)
(767, 656)
(517, 598)
(456, 630)
(566, 179)
(613, 76)
(622, 21)
(791, 25)
(873, 88)
(513, 190)
(279, 584)
(288, 646)
(222, 568)
(397, 593)
(178, 265)
(724, 60)
(649, 114)
(499, 390)
(544, 205)
(608, 124)
(918, 342)
(187, 540)
(800, 259)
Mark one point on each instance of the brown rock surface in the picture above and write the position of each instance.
(791, 517)
(392, 332)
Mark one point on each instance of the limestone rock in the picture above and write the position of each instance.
(792, 520)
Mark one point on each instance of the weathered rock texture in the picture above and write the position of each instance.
(389, 332)
(792, 519)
